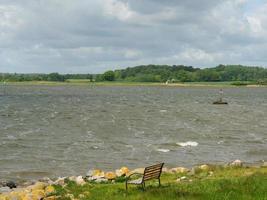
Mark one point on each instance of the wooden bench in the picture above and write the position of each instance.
(151, 172)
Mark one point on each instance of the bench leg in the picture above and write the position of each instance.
(159, 182)
(126, 186)
(143, 186)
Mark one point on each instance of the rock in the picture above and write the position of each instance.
(50, 198)
(179, 170)
(47, 180)
(37, 186)
(17, 195)
(118, 173)
(49, 190)
(138, 170)
(5, 189)
(110, 175)
(72, 178)
(122, 171)
(79, 181)
(181, 179)
(11, 184)
(264, 164)
(27, 183)
(195, 170)
(236, 163)
(81, 196)
(38, 194)
(60, 181)
(204, 167)
(211, 173)
(101, 180)
(4, 197)
(94, 172)
(71, 196)
(165, 170)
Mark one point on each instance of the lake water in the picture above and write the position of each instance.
(66, 130)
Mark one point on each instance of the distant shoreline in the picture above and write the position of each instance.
(120, 83)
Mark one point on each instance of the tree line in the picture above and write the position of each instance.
(157, 73)
(15, 77)
(181, 73)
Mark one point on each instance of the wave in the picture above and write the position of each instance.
(188, 143)
(163, 150)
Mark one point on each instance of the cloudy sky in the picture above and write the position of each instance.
(91, 36)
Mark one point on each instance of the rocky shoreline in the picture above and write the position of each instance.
(44, 189)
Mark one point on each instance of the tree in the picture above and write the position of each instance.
(55, 77)
(108, 76)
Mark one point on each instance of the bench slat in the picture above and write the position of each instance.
(154, 172)
(150, 177)
(154, 166)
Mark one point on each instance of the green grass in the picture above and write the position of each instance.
(229, 183)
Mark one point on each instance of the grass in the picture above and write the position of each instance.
(224, 183)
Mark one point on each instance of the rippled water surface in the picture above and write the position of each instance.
(65, 130)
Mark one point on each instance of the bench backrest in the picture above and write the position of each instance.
(153, 172)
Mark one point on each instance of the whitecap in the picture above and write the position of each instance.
(163, 111)
(163, 150)
(11, 137)
(189, 143)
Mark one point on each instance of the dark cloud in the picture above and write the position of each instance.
(93, 36)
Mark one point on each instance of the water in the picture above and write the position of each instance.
(66, 130)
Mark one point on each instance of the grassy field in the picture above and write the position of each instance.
(222, 183)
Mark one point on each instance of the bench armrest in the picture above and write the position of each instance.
(128, 177)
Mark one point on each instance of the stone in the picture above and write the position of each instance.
(165, 170)
(11, 184)
(118, 173)
(49, 190)
(122, 171)
(38, 194)
(236, 163)
(16, 195)
(81, 196)
(79, 181)
(179, 170)
(138, 170)
(264, 164)
(204, 167)
(211, 173)
(181, 179)
(5, 189)
(19, 194)
(47, 180)
(60, 181)
(72, 178)
(4, 197)
(37, 186)
(193, 171)
(94, 172)
(50, 198)
(110, 175)
(71, 196)
(101, 180)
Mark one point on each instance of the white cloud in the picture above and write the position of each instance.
(94, 36)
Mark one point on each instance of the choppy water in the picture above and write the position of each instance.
(65, 130)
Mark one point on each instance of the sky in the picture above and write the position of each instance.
(93, 36)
